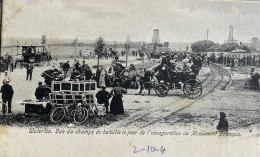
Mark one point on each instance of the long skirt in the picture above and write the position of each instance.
(102, 80)
(116, 106)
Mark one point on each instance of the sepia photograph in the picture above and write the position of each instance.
(130, 78)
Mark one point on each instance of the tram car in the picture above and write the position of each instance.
(36, 54)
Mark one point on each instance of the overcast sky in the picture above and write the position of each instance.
(178, 21)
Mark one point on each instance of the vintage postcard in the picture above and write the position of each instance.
(119, 78)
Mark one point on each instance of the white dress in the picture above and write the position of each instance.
(102, 78)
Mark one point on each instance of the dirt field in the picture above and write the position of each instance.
(150, 111)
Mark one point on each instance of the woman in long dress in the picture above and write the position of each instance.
(102, 77)
(116, 106)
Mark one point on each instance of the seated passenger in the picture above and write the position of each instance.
(172, 65)
(186, 65)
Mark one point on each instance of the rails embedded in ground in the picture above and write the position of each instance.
(215, 80)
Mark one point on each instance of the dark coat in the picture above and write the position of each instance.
(222, 125)
(7, 92)
(88, 74)
(77, 66)
(73, 75)
(116, 105)
(40, 93)
(66, 66)
(84, 67)
(29, 68)
(103, 97)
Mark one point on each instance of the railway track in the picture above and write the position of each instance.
(219, 78)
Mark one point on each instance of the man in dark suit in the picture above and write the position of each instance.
(88, 73)
(7, 95)
(29, 71)
(40, 92)
(66, 68)
(103, 97)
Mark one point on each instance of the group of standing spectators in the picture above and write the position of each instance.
(116, 105)
(84, 72)
(242, 60)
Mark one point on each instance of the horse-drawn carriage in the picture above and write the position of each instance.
(36, 54)
(186, 81)
(118, 73)
(162, 81)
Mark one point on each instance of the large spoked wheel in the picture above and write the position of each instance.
(192, 88)
(161, 90)
(198, 80)
(57, 114)
(80, 115)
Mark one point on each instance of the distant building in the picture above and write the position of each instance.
(230, 36)
(156, 37)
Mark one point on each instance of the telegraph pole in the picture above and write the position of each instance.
(127, 48)
(207, 41)
(1, 14)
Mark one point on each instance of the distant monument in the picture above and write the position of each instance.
(230, 36)
(156, 37)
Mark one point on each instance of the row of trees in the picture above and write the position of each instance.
(100, 47)
(204, 45)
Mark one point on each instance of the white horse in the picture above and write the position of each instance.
(18, 58)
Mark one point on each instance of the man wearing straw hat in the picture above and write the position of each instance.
(7, 95)
(7, 77)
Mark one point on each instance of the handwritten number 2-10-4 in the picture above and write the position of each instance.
(149, 149)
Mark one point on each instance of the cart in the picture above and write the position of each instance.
(186, 81)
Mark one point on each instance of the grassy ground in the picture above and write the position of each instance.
(22, 120)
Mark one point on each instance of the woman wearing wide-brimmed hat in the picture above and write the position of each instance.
(116, 106)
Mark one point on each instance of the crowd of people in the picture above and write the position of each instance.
(78, 71)
(233, 60)
(192, 62)
(83, 72)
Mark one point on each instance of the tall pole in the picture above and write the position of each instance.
(1, 13)
(207, 41)
(126, 58)
(127, 47)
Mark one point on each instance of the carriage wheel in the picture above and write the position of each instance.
(192, 89)
(161, 90)
(198, 80)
